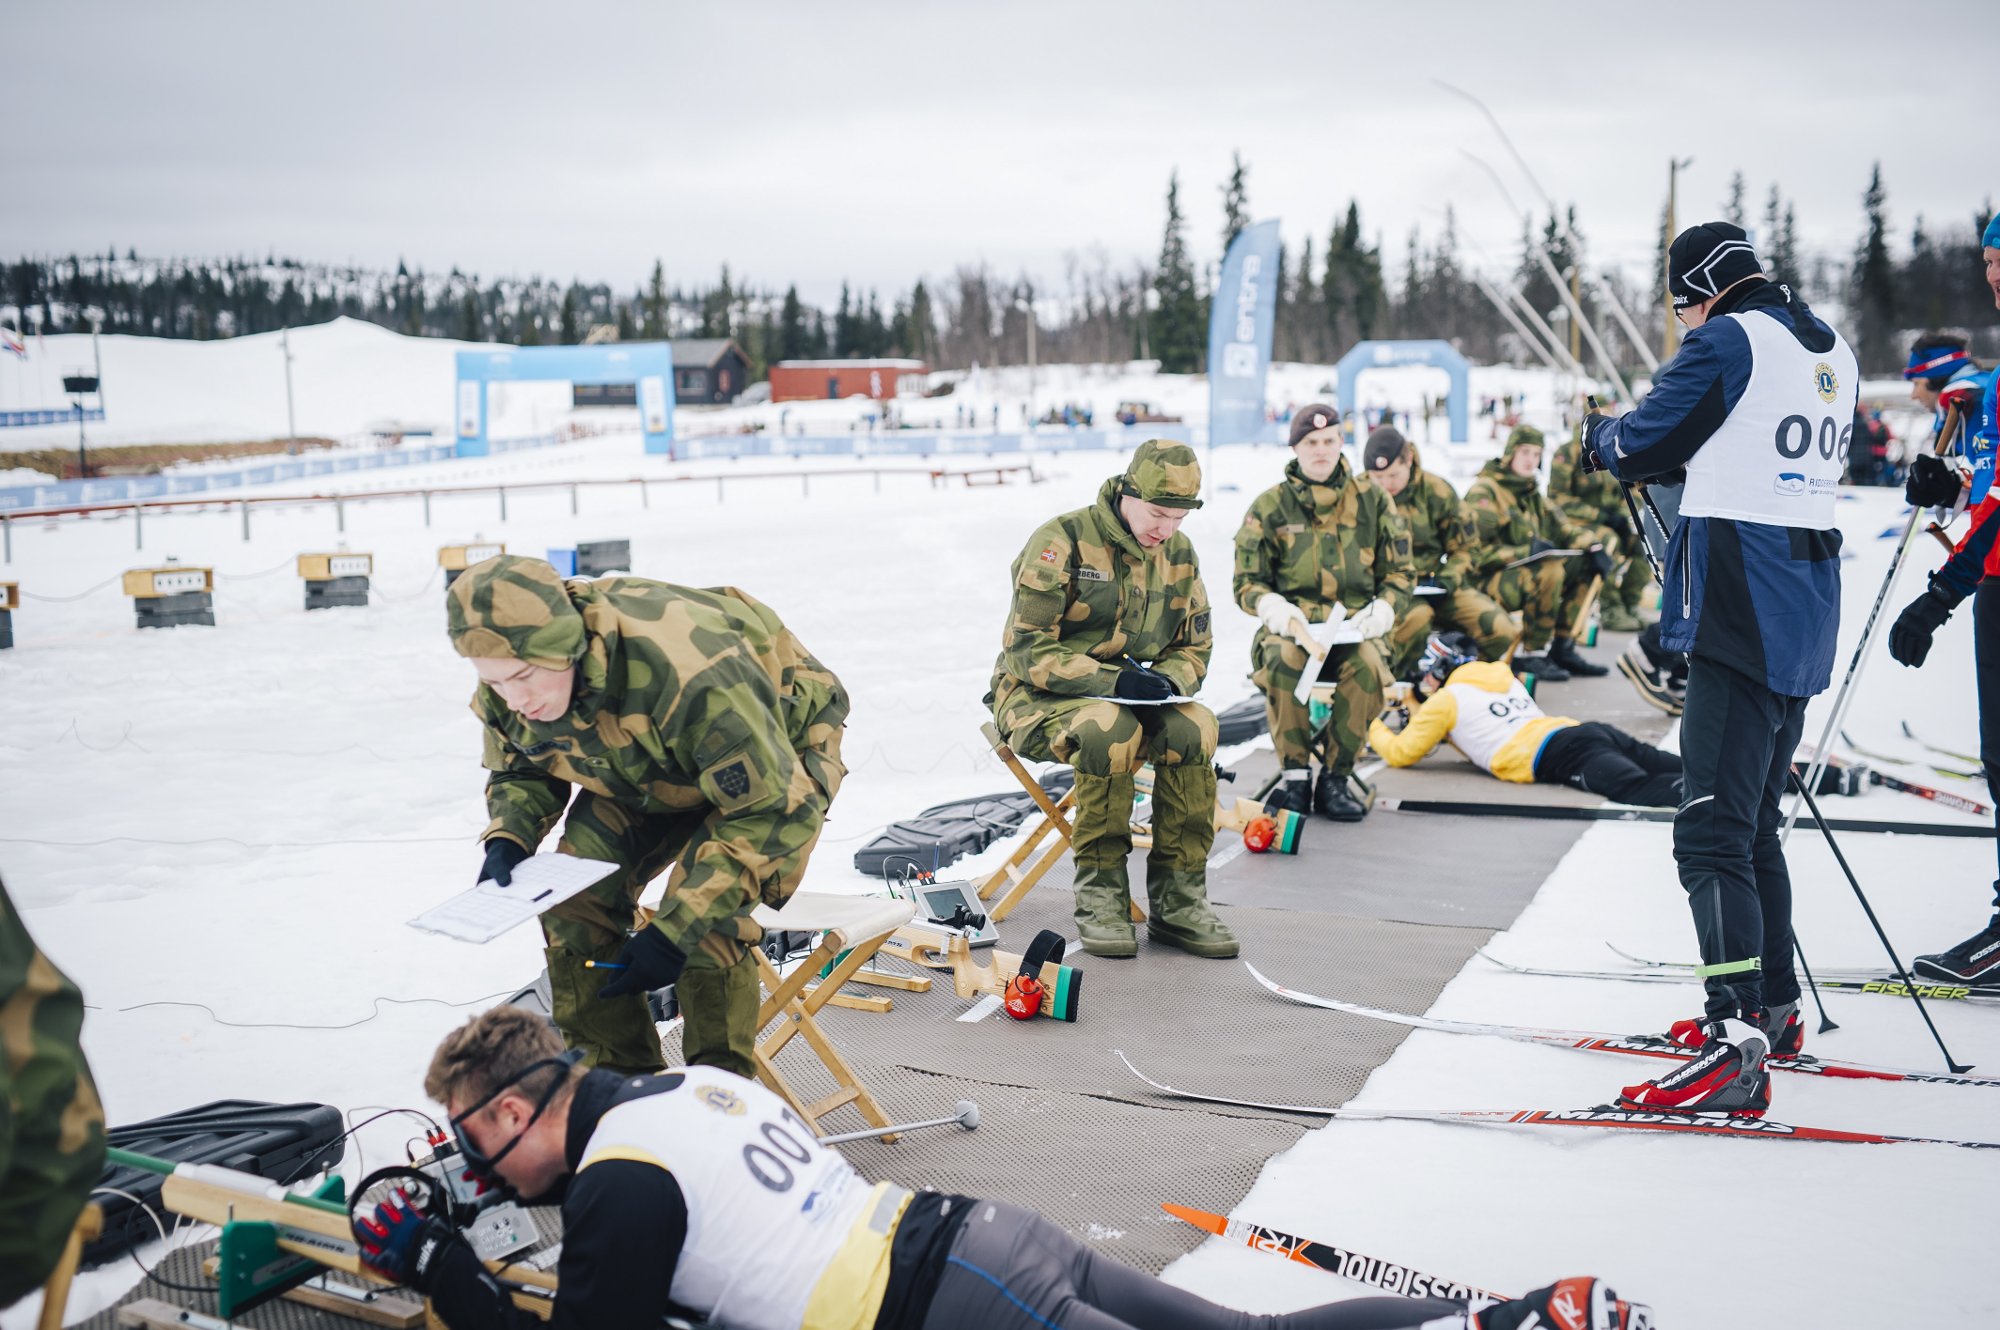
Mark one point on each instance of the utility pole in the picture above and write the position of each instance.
(1575, 325)
(291, 421)
(1675, 165)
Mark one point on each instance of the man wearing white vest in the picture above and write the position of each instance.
(1757, 409)
(1481, 708)
(701, 1193)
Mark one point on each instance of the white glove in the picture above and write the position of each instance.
(1375, 618)
(1277, 613)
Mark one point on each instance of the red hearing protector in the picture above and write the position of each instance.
(1026, 990)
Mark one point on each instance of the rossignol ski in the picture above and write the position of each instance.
(1603, 1117)
(1881, 983)
(1942, 798)
(1637, 1045)
(1371, 1271)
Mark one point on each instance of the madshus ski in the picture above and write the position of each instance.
(1881, 984)
(1370, 1271)
(1603, 1117)
(1637, 1045)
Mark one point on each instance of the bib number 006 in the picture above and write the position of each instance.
(1795, 438)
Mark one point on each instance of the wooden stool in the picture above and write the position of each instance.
(1029, 861)
(855, 928)
(55, 1292)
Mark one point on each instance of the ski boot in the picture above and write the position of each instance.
(1541, 665)
(1658, 686)
(1564, 653)
(1342, 798)
(1973, 961)
(1726, 1076)
(1568, 1304)
(1293, 792)
(1781, 1023)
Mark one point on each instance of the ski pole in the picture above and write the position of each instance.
(1826, 1022)
(967, 1117)
(1908, 983)
(1945, 438)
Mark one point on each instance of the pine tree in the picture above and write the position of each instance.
(1732, 207)
(1235, 202)
(922, 344)
(1176, 332)
(1356, 299)
(655, 304)
(1873, 287)
(794, 341)
(843, 326)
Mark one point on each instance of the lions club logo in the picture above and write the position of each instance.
(1826, 381)
(725, 1102)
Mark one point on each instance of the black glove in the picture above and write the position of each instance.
(1932, 483)
(503, 856)
(650, 962)
(1910, 637)
(1599, 560)
(404, 1244)
(1593, 424)
(1537, 546)
(1143, 685)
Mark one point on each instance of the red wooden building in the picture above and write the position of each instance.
(818, 380)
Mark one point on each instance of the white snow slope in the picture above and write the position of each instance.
(220, 833)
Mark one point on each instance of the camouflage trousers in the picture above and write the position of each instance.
(1539, 593)
(51, 1123)
(1106, 743)
(1467, 611)
(1631, 585)
(718, 993)
(1359, 673)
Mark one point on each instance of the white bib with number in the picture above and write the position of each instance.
(1487, 720)
(1778, 458)
(768, 1205)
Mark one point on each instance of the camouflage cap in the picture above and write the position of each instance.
(512, 606)
(1524, 436)
(1166, 473)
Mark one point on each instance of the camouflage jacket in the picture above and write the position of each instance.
(1087, 595)
(1508, 514)
(51, 1123)
(1440, 536)
(1591, 499)
(1339, 541)
(685, 699)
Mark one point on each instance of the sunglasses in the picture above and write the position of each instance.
(480, 1166)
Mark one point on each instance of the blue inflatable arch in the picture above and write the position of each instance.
(1381, 355)
(648, 366)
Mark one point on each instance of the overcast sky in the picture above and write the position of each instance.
(816, 142)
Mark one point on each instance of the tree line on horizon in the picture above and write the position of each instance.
(1332, 292)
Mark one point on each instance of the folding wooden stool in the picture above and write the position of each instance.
(55, 1292)
(1030, 859)
(855, 928)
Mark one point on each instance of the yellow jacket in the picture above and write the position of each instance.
(1481, 710)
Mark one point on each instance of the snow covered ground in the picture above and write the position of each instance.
(219, 833)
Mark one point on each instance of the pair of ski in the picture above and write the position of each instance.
(1604, 1116)
(1879, 983)
(1942, 798)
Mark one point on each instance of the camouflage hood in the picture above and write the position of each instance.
(515, 607)
(1165, 473)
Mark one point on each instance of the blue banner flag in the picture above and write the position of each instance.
(1239, 335)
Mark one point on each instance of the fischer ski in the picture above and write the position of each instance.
(1371, 1271)
(1603, 1117)
(1638, 1045)
(1859, 973)
(1620, 813)
(1915, 738)
(1959, 773)
(1882, 983)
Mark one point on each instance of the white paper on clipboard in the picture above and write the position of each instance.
(489, 909)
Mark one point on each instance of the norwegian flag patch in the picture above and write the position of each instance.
(1051, 555)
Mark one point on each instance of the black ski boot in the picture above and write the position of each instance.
(1973, 961)
(1342, 798)
(1565, 654)
(1542, 666)
(1293, 792)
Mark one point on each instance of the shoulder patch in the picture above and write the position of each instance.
(1050, 554)
(733, 779)
(1199, 624)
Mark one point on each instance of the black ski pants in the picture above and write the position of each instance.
(1986, 663)
(1010, 1269)
(1737, 741)
(1603, 759)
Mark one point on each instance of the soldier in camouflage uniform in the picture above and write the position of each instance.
(706, 742)
(1511, 520)
(1320, 544)
(51, 1123)
(1594, 501)
(1440, 557)
(1109, 609)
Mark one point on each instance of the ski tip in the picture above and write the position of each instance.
(1201, 1219)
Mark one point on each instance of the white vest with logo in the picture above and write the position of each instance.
(1487, 720)
(1778, 458)
(769, 1208)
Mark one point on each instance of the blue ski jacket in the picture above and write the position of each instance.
(1759, 598)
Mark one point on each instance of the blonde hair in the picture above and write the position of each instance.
(489, 1051)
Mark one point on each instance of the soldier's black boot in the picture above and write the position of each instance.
(1565, 654)
(1342, 798)
(1293, 792)
(1539, 664)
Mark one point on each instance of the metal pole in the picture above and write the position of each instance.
(1534, 317)
(1672, 341)
(1520, 328)
(572, 500)
(138, 526)
(291, 423)
(7, 535)
(339, 513)
(246, 519)
(1617, 307)
(427, 507)
(503, 503)
(645, 498)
